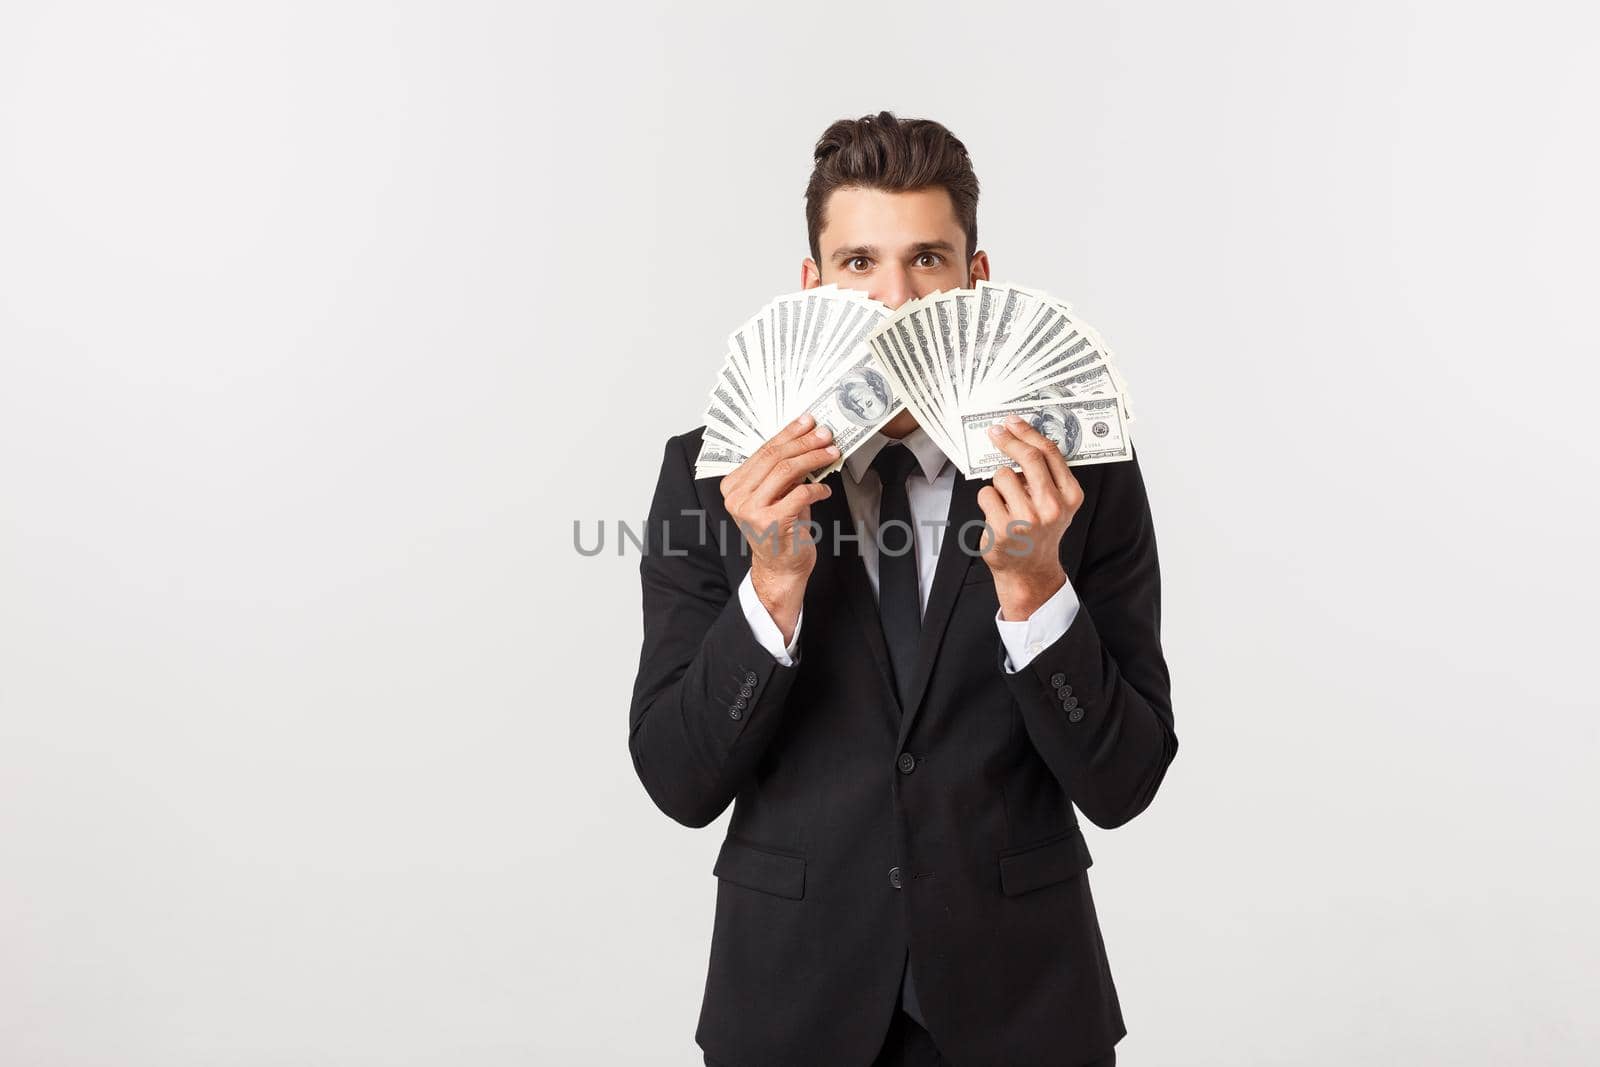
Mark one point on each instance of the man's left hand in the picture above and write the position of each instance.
(1027, 513)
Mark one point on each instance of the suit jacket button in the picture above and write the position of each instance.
(750, 678)
(1058, 679)
(1075, 715)
(745, 690)
(736, 712)
(1069, 702)
(908, 763)
(894, 877)
(1066, 690)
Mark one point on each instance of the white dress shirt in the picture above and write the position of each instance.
(929, 497)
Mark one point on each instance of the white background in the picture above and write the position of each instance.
(320, 324)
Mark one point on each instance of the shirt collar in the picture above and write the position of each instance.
(929, 456)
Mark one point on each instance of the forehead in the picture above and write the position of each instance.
(889, 220)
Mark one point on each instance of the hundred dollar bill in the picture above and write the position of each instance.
(855, 407)
(716, 459)
(1095, 381)
(1086, 429)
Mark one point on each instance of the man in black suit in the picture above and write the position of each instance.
(903, 879)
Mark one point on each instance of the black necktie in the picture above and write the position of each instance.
(899, 603)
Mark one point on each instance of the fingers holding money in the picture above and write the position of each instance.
(768, 491)
(795, 443)
(1029, 514)
(1043, 464)
(1014, 494)
(1031, 494)
(786, 472)
(769, 499)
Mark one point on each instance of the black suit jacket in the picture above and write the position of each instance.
(991, 893)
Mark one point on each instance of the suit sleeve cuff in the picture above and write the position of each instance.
(1026, 638)
(764, 628)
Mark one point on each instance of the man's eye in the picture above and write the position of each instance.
(853, 259)
(938, 259)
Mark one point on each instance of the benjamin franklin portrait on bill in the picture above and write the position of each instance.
(864, 396)
(1061, 426)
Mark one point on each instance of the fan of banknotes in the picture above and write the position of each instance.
(960, 360)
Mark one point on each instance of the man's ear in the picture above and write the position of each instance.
(978, 269)
(810, 276)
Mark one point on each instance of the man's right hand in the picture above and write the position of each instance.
(770, 500)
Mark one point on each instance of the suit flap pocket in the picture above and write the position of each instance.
(760, 868)
(1052, 860)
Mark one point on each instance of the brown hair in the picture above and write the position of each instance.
(898, 155)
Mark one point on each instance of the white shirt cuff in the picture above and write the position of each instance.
(1025, 639)
(765, 629)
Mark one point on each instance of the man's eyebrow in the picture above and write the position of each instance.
(871, 251)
